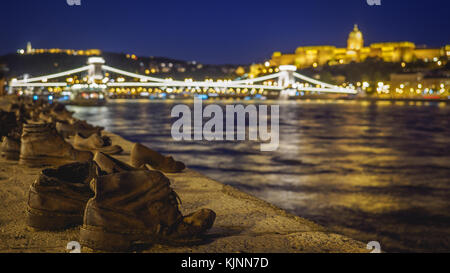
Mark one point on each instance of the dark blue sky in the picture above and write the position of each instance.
(231, 31)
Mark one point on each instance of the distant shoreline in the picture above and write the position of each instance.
(299, 98)
(388, 99)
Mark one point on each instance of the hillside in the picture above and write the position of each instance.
(47, 63)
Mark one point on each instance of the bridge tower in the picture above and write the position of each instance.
(287, 80)
(95, 69)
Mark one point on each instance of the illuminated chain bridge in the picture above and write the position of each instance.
(287, 81)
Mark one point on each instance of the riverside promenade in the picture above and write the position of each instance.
(244, 224)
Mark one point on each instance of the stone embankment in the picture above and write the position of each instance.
(244, 224)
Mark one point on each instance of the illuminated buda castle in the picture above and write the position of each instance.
(31, 50)
(389, 52)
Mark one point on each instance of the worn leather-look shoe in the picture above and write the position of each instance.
(60, 112)
(73, 127)
(142, 155)
(42, 145)
(138, 208)
(7, 123)
(46, 118)
(96, 143)
(10, 148)
(110, 165)
(57, 198)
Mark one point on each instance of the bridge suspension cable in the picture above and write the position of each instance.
(251, 81)
(139, 76)
(330, 88)
(130, 74)
(192, 84)
(313, 81)
(39, 84)
(57, 75)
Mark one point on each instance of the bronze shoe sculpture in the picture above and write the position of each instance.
(138, 208)
(46, 117)
(96, 143)
(42, 145)
(110, 165)
(60, 112)
(142, 155)
(57, 198)
(73, 127)
(10, 148)
(7, 122)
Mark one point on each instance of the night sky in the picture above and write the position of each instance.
(231, 31)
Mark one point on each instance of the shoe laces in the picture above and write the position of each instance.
(174, 198)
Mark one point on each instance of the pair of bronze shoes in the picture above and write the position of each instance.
(7, 122)
(73, 127)
(27, 132)
(144, 157)
(119, 206)
(10, 131)
(141, 156)
(50, 113)
(96, 142)
(41, 144)
(10, 148)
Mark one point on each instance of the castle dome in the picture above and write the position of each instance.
(355, 39)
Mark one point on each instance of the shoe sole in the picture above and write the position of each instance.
(51, 221)
(102, 150)
(44, 161)
(152, 168)
(99, 239)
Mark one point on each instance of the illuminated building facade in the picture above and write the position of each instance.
(312, 56)
(86, 52)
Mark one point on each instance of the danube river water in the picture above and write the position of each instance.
(374, 171)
